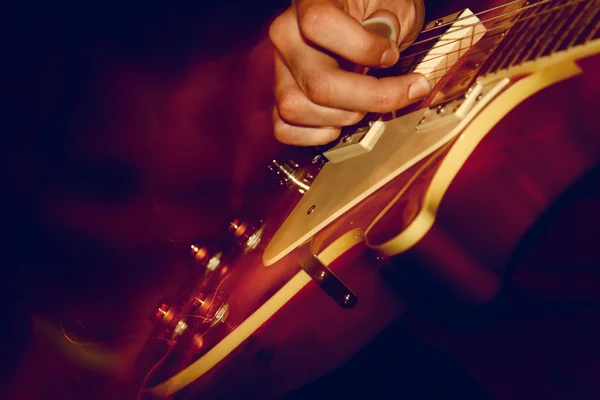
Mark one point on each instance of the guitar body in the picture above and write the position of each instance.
(437, 236)
(451, 224)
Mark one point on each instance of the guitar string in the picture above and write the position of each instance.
(436, 56)
(412, 55)
(559, 43)
(469, 16)
(590, 37)
(497, 43)
(519, 10)
(574, 2)
(510, 12)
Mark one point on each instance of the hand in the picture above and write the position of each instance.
(314, 96)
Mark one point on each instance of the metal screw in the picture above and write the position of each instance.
(439, 22)
(321, 275)
(317, 158)
(347, 299)
(347, 139)
(441, 110)
(311, 209)
(479, 97)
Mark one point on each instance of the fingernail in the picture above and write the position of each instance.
(419, 89)
(390, 55)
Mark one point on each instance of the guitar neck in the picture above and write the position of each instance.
(515, 32)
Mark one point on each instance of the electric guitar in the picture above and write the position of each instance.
(421, 206)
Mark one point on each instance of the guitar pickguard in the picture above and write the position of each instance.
(341, 186)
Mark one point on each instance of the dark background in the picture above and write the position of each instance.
(55, 52)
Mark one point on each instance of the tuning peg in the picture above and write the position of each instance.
(208, 256)
(164, 313)
(246, 234)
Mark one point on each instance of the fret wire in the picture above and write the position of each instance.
(516, 34)
(588, 29)
(487, 20)
(565, 30)
(488, 32)
(557, 39)
(494, 28)
(478, 53)
(594, 26)
(435, 56)
(507, 25)
(486, 50)
(562, 8)
(471, 16)
(591, 29)
(497, 59)
(593, 32)
(456, 51)
(555, 29)
(532, 32)
(580, 22)
(499, 45)
(539, 38)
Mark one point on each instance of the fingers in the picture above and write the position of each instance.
(323, 83)
(333, 29)
(296, 119)
(295, 108)
(314, 96)
(345, 90)
(302, 135)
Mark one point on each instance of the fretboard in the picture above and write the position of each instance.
(543, 27)
(517, 31)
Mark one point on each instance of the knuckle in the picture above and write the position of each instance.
(354, 118)
(325, 136)
(282, 132)
(317, 88)
(275, 30)
(313, 18)
(290, 105)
